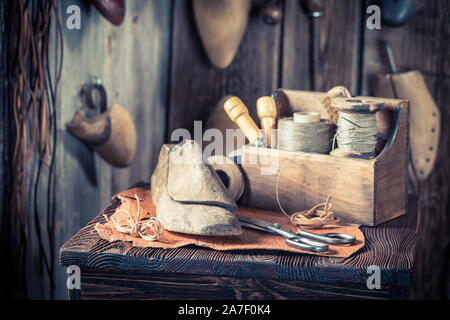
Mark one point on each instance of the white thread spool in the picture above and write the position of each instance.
(306, 117)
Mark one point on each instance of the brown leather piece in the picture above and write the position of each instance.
(248, 240)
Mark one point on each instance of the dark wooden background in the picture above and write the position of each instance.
(155, 65)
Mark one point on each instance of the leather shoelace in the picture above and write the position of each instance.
(34, 117)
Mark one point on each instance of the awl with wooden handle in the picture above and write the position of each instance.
(267, 113)
(238, 113)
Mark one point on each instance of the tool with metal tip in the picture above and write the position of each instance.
(238, 112)
(267, 113)
(390, 56)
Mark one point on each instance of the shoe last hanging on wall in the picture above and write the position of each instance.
(112, 133)
(112, 10)
(221, 25)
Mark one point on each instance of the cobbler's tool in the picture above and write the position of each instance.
(301, 239)
(272, 14)
(315, 9)
(110, 132)
(238, 112)
(221, 25)
(112, 10)
(305, 132)
(189, 196)
(230, 174)
(357, 133)
(267, 113)
(424, 113)
(395, 13)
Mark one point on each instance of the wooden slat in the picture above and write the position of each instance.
(196, 86)
(76, 164)
(101, 284)
(423, 44)
(135, 72)
(339, 28)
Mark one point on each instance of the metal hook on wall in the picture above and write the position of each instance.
(87, 94)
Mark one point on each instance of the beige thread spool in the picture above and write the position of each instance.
(357, 127)
(305, 132)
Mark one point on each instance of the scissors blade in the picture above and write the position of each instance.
(254, 221)
(254, 227)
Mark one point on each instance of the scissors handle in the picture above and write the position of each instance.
(299, 242)
(330, 238)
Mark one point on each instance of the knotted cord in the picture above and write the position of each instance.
(312, 218)
(137, 227)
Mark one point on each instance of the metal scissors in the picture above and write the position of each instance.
(302, 239)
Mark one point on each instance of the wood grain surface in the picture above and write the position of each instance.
(389, 246)
(109, 284)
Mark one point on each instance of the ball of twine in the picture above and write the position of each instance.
(313, 137)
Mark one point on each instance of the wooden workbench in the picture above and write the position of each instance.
(118, 271)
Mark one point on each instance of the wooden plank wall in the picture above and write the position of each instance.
(155, 65)
(133, 63)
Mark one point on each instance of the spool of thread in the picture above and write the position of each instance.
(356, 127)
(305, 132)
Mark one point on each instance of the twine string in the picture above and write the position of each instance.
(312, 218)
(149, 230)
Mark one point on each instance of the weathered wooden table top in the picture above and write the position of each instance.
(389, 246)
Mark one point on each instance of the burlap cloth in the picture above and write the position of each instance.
(250, 239)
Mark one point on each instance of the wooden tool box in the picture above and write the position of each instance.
(362, 191)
